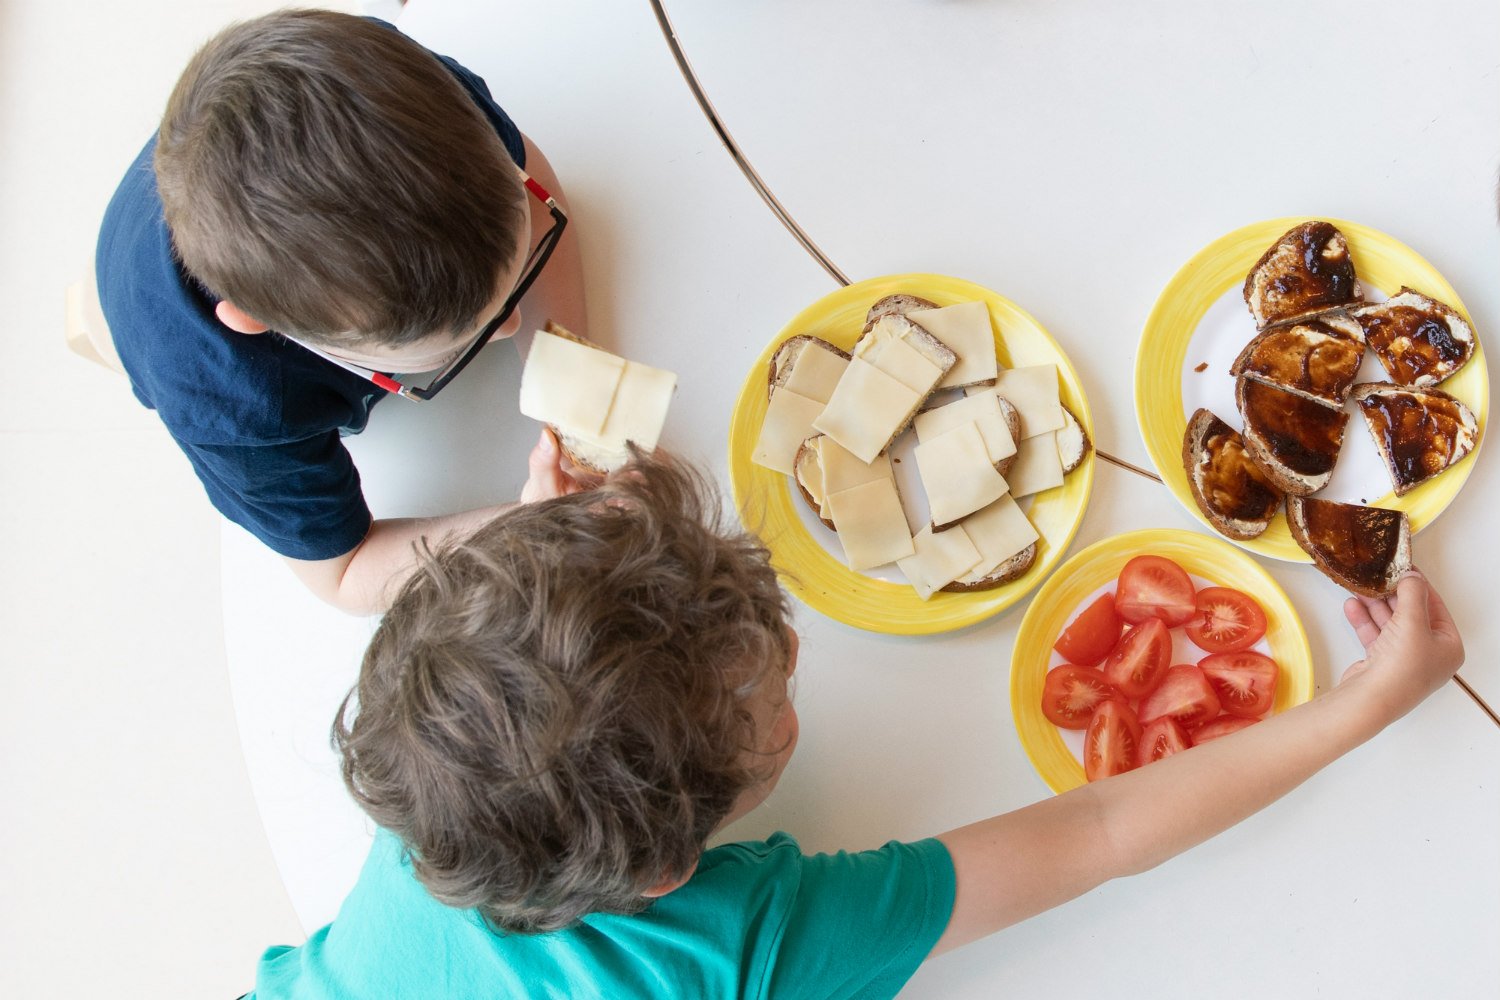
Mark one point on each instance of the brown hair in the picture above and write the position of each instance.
(331, 178)
(556, 712)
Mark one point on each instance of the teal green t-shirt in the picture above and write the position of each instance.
(757, 920)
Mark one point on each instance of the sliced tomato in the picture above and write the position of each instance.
(1226, 621)
(1109, 747)
(1184, 694)
(1092, 634)
(1160, 738)
(1155, 587)
(1139, 660)
(1071, 693)
(1222, 726)
(1245, 681)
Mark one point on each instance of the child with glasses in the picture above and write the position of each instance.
(325, 203)
(559, 711)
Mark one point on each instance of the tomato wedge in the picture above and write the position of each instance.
(1109, 747)
(1184, 694)
(1139, 660)
(1071, 693)
(1226, 621)
(1160, 738)
(1245, 681)
(1222, 726)
(1092, 634)
(1155, 587)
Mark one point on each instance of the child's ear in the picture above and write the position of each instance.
(237, 319)
(666, 885)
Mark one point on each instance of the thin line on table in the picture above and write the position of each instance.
(1483, 707)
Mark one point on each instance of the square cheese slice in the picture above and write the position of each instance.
(1037, 466)
(940, 557)
(832, 468)
(999, 531)
(639, 410)
(788, 423)
(982, 410)
(815, 374)
(569, 384)
(866, 409)
(1033, 392)
(871, 524)
(957, 474)
(966, 329)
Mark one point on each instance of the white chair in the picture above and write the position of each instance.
(84, 327)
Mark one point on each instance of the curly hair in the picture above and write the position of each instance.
(331, 178)
(555, 713)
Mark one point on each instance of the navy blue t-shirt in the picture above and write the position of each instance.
(258, 416)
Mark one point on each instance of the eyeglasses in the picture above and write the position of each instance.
(535, 261)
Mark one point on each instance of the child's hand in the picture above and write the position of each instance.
(1411, 644)
(547, 478)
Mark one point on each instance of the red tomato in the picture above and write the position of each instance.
(1138, 661)
(1071, 694)
(1109, 747)
(1161, 738)
(1227, 621)
(1245, 682)
(1185, 695)
(1155, 587)
(1222, 726)
(1092, 634)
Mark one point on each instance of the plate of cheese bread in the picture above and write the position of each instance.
(915, 452)
(1314, 391)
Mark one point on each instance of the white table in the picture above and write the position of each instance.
(1071, 157)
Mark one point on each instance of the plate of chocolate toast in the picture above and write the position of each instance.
(915, 451)
(1313, 390)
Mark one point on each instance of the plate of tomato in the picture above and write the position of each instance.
(1146, 644)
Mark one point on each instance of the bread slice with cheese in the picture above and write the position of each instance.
(896, 305)
(822, 467)
(1294, 440)
(1073, 444)
(1363, 549)
(1007, 541)
(824, 364)
(1238, 499)
(1307, 271)
(597, 403)
(1419, 432)
(1419, 340)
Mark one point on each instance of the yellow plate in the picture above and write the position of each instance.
(822, 581)
(1096, 566)
(1379, 260)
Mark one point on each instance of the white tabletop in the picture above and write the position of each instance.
(1071, 157)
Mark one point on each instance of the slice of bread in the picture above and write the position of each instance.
(789, 353)
(806, 472)
(918, 339)
(586, 456)
(1305, 272)
(1012, 569)
(1073, 444)
(896, 305)
(1313, 358)
(1294, 440)
(1419, 340)
(1419, 432)
(1238, 498)
(1363, 549)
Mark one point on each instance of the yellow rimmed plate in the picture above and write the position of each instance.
(818, 577)
(1097, 566)
(1202, 284)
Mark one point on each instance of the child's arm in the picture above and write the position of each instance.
(366, 579)
(558, 292)
(1015, 866)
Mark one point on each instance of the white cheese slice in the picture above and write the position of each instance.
(966, 329)
(909, 366)
(1033, 392)
(871, 524)
(569, 384)
(640, 408)
(999, 531)
(815, 374)
(983, 410)
(1037, 466)
(866, 409)
(789, 422)
(940, 557)
(842, 470)
(957, 474)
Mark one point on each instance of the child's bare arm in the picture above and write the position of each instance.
(1025, 862)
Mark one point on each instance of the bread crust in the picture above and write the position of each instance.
(896, 305)
(1396, 566)
(1012, 569)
